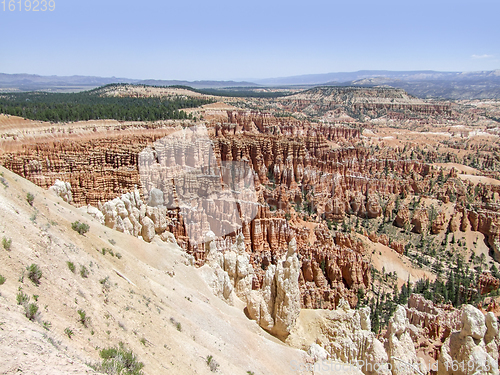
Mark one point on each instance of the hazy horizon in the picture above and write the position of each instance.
(249, 80)
(224, 40)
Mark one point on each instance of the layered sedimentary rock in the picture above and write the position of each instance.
(384, 240)
(257, 122)
(487, 283)
(294, 163)
(129, 214)
(403, 217)
(332, 269)
(98, 169)
(436, 322)
(296, 171)
(229, 272)
(439, 332)
(420, 221)
(478, 217)
(374, 102)
(439, 224)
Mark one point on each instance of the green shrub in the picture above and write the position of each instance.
(2, 280)
(177, 324)
(47, 325)
(105, 250)
(84, 272)
(71, 266)
(119, 361)
(30, 198)
(31, 311)
(212, 364)
(22, 298)
(81, 228)
(84, 319)
(6, 242)
(68, 332)
(34, 273)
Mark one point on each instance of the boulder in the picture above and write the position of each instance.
(148, 229)
(468, 346)
(155, 198)
(62, 189)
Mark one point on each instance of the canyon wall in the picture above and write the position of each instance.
(303, 172)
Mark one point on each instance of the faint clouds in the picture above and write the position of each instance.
(482, 56)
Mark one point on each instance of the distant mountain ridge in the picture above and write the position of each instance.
(423, 83)
(417, 75)
(33, 82)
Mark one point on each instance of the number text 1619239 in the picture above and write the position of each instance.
(27, 5)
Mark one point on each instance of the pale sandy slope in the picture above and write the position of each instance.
(163, 289)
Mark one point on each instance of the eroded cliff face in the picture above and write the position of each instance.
(104, 172)
(359, 101)
(99, 168)
(303, 173)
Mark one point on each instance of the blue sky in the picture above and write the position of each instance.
(218, 39)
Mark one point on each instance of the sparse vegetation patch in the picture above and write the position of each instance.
(84, 319)
(31, 311)
(68, 331)
(118, 361)
(81, 228)
(212, 363)
(30, 198)
(34, 273)
(71, 266)
(84, 272)
(22, 298)
(3, 181)
(6, 243)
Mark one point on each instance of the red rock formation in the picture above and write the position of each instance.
(439, 224)
(98, 169)
(487, 283)
(420, 221)
(455, 222)
(398, 247)
(403, 217)
(299, 175)
(331, 271)
(426, 314)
